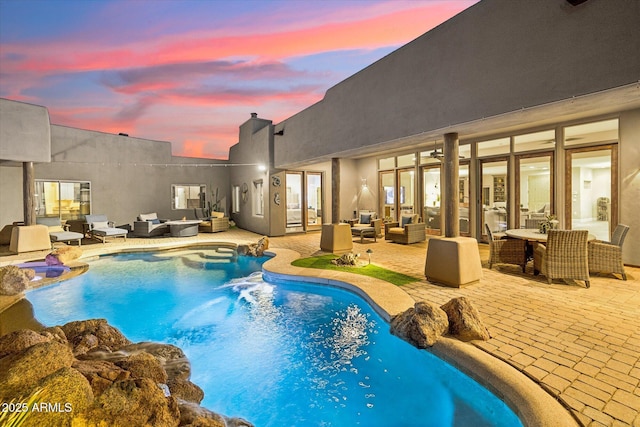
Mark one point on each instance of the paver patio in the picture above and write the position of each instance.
(581, 345)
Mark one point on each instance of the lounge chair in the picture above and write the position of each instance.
(59, 232)
(408, 230)
(506, 251)
(217, 222)
(564, 256)
(148, 225)
(367, 225)
(101, 228)
(606, 257)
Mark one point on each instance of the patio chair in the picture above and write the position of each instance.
(217, 222)
(564, 256)
(408, 230)
(148, 225)
(533, 223)
(606, 257)
(101, 228)
(365, 223)
(506, 251)
(59, 232)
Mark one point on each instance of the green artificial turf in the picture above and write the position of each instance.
(324, 262)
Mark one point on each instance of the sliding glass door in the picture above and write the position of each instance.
(534, 187)
(304, 201)
(494, 195)
(66, 200)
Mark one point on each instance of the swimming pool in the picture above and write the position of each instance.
(276, 354)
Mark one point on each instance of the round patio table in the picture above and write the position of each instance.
(533, 235)
(183, 228)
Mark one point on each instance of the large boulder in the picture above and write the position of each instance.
(100, 374)
(464, 320)
(21, 372)
(197, 416)
(420, 325)
(86, 335)
(172, 358)
(132, 402)
(63, 254)
(14, 280)
(63, 394)
(144, 365)
(17, 341)
(254, 249)
(185, 390)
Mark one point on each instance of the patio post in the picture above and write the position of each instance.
(336, 237)
(28, 193)
(335, 191)
(451, 188)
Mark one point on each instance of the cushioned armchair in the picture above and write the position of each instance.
(368, 220)
(217, 222)
(408, 230)
(101, 228)
(506, 251)
(606, 257)
(564, 256)
(148, 225)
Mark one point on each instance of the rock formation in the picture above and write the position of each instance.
(349, 259)
(63, 254)
(464, 320)
(89, 374)
(421, 325)
(14, 280)
(255, 249)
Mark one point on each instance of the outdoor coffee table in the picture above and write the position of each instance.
(183, 228)
(364, 232)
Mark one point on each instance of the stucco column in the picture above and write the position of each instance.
(335, 191)
(452, 187)
(28, 193)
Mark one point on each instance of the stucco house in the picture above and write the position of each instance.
(543, 99)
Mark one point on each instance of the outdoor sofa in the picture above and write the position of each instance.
(148, 225)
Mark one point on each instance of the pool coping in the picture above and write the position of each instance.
(532, 404)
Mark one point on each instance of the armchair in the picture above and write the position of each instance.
(148, 225)
(367, 220)
(59, 232)
(606, 257)
(101, 228)
(564, 256)
(217, 222)
(506, 251)
(408, 230)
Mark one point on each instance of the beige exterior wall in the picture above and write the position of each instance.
(24, 132)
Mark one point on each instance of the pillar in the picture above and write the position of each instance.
(335, 191)
(28, 193)
(452, 187)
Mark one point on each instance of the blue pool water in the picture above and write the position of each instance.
(276, 354)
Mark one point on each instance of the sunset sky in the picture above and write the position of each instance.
(191, 71)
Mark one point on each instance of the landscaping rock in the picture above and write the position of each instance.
(255, 249)
(194, 415)
(421, 325)
(63, 254)
(17, 341)
(172, 358)
(349, 259)
(100, 374)
(86, 335)
(144, 365)
(185, 390)
(464, 320)
(14, 280)
(21, 372)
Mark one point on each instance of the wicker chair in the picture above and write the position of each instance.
(506, 251)
(606, 257)
(532, 223)
(564, 256)
(412, 232)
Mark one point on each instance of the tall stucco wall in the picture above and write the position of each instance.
(255, 147)
(10, 195)
(24, 132)
(128, 176)
(496, 57)
(629, 172)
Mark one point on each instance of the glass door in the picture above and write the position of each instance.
(314, 199)
(294, 201)
(534, 188)
(388, 195)
(463, 199)
(494, 195)
(431, 196)
(591, 189)
(406, 191)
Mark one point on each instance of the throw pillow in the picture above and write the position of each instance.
(99, 224)
(365, 218)
(154, 221)
(405, 220)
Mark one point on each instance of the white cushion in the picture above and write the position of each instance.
(100, 224)
(149, 216)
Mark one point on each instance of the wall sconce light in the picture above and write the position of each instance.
(364, 182)
(262, 168)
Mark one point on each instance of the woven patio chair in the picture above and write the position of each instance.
(606, 257)
(533, 223)
(564, 256)
(409, 230)
(506, 251)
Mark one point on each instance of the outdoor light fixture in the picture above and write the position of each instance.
(369, 252)
(262, 168)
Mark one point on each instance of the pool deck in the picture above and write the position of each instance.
(560, 342)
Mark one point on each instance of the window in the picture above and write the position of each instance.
(387, 163)
(493, 147)
(545, 140)
(258, 198)
(188, 196)
(235, 199)
(63, 199)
